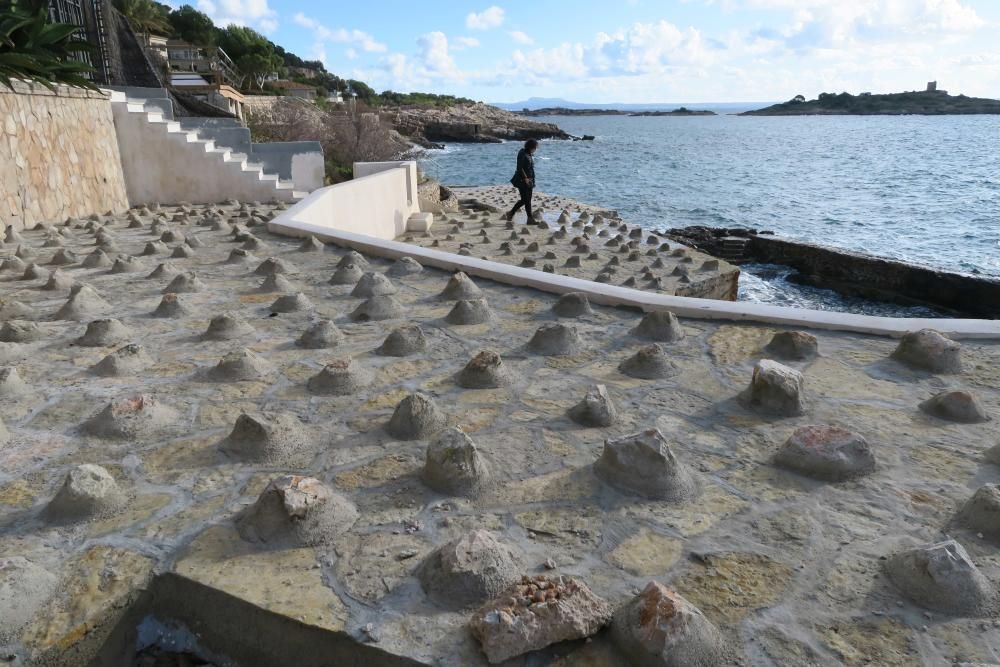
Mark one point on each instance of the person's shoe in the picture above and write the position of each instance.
(508, 216)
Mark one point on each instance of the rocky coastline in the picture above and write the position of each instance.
(927, 103)
(430, 127)
(563, 111)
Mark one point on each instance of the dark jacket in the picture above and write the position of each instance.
(525, 170)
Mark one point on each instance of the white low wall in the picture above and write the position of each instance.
(377, 205)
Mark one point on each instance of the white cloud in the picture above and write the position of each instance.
(520, 37)
(465, 43)
(322, 33)
(491, 17)
(351, 54)
(435, 57)
(254, 13)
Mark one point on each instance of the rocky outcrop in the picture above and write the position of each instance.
(468, 123)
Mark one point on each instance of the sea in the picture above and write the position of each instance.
(922, 189)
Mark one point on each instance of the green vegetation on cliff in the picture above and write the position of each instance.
(865, 104)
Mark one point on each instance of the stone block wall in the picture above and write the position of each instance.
(58, 155)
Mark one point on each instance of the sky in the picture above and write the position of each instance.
(639, 51)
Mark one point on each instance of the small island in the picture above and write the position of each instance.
(931, 102)
(682, 111)
(563, 111)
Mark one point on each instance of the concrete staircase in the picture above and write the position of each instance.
(197, 160)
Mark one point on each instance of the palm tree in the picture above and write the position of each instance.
(34, 49)
(145, 16)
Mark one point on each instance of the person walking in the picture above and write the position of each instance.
(524, 180)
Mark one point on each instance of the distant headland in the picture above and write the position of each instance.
(931, 102)
(564, 111)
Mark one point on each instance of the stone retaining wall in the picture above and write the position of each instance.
(58, 155)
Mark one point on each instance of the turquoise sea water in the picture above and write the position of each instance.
(924, 189)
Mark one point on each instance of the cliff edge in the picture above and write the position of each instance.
(468, 123)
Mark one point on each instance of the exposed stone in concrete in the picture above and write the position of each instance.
(929, 350)
(274, 438)
(535, 613)
(555, 340)
(982, 511)
(826, 452)
(596, 409)
(775, 389)
(97, 260)
(14, 264)
(184, 283)
(659, 627)
(89, 491)
(103, 332)
(454, 466)
(323, 334)
(353, 257)
(83, 304)
(649, 363)
(127, 360)
(11, 384)
(403, 341)
(291, 303)
(486, 370)
(163, 270)
(193, 242)
(227, 326)
(404, 266)
(573, 304)
(241, 256)
(170, 306)
(469, 570)
(25, 589)
(942, 576)
(793, 345)
(416, 417)
(644, 464)
(63, 257)
(276, 283)
(348, 274)
(58, 280)
(4, 434)
(17, 331)
(373, 284)
(239, 366)
(469, 311)
(460, 286)
(126, 264)
(297, 511)
(661, 326)
(959, 406)
(134, 417)
(340, 377)
(32, 272)
(311, 244)
(378, 308)
(183, 251)
(273, 265)
(172, 236)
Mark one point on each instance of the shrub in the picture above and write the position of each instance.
(32, 48)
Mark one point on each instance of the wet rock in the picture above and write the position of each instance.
(84, 303)
(535, 613)
(649, 363)
(311, 244)
(826, 452)
(340, 377)
(321, 335)
(297, 511)
(131, 418)
(793, 345)
(274, 438)
(959, 406)
(373, 284)
(378, 308)
(18, 331)
(644, 464)
(555, 339)
(405, 266)
(658, 627)
(775, 389)
(416, 417)
(291, 303)
(486, 370)
(127, 360)
(170, 306)
(184, 283)
(11, 384)
(240, 366)
(596, 409)
(403, 341)
(982, 512)
(89, 491)
(469, 311)
(573, 304)
(454, 466)
(942, 576)
(348, 274)
(25, 591)
(273, 265)
(102, 333)
(227, 326)
(469, 570)
(460, 286)
(929, 350)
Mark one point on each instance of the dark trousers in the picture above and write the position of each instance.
(525, 202)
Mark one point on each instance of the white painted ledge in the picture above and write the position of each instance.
(610, 295)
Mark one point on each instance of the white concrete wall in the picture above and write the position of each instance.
(362, 169)
(308, 170)
(376, 205)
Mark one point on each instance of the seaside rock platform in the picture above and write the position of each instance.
(273, 469)
(576, 240)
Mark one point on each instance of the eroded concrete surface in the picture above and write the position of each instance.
(789, 568)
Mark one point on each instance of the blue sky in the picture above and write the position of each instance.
(639, 50)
